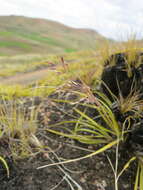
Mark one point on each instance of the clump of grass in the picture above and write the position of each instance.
(131, 103)
(95, 133)
(132, 51)
(17, 128)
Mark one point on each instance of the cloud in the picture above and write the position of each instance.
(112, 18)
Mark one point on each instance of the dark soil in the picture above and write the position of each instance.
(91, 174)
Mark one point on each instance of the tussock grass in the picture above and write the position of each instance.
(89, 131)
(130, 47)
(17, 127)
(131, 103)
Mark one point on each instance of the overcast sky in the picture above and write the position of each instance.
(112, 18)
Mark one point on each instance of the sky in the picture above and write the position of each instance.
(117, 19)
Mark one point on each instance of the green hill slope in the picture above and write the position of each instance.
(20, 35)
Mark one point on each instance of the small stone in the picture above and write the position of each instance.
(126, 186)
(104, 183)
(82, 180)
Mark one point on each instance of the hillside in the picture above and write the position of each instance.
(20, 35)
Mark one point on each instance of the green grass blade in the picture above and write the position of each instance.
(126, 166)
(5, 164)
(81, 138)
(91, 132)
(102, 129)
(141, 177)
(137, 178)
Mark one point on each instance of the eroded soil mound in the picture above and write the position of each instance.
(123, 76)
